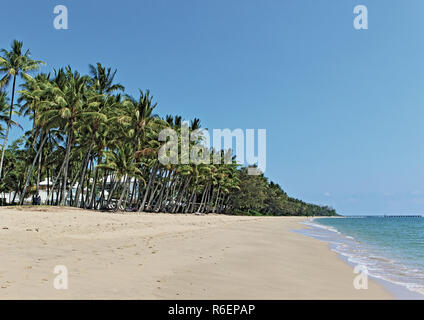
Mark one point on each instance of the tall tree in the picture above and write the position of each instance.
(14, 63)
(70, 104)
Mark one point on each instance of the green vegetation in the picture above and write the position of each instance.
(92, 146)
(257, 196)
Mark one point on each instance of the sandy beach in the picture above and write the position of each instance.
(164, 256)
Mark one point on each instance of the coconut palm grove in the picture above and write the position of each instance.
(92, 146)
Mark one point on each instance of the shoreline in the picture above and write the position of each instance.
(399, 291)
(165, 256)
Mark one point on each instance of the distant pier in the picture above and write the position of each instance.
(402, 216)
(387, 216)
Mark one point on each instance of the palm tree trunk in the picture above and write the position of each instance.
(59, 191)
(87, 193)
(191, 202)
(69, 192)
(216, 200)
(151, 179)
(14, 196)
(112, 190)
(165, 183)
(223, 207)
(22, 198)
(152, 194)
(133, 190)
(40, 158)
(112, 186)
(162, 203)
(84, 170)
(93, 189)
(178, 203)
(59, 173)
(48, 184)
(207, 200)
(203, 198)
(123, 193)
(102, 192)
(37, 187)
(65, 169)
(8, 127)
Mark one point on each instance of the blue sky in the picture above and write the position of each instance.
(343, 108)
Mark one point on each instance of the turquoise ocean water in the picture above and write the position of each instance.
(391, 248)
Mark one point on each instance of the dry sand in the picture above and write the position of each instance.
(151, 256)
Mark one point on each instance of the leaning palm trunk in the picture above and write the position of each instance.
(162, 202)
(191, 203)
(225, 201)
(87, 193)
(221, 205)
(14, 196)
(176, 194)
(124, 191)
(208, 199)
(112, 190)
(48, 183)
(8, 127)
(99, 204)
(159, 201)
(65, 169)
(199, 210)
(84, 170)
(151, 179)
(40, 158)
(93, 189)
(133, 191)
(178, 203)
(55, 182)
(184, 196)
(22, 198)
(216, 200)
(153, 193)
(69, 192)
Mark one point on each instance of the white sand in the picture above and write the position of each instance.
(150, 256)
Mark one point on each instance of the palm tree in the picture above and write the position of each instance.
(103, 79)
(14, 64)
(34, 91)
(4, 110)
(141, 127)
(102, 82)
(121, 161)
(139, 117)
(5, 113)
(70, 104)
